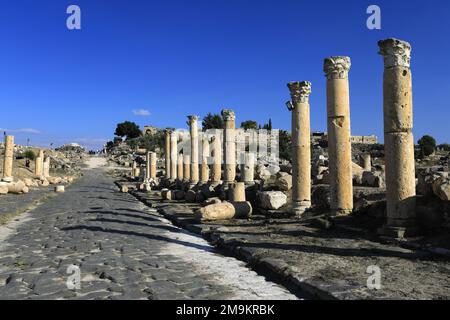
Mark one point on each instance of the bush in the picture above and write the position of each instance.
(29, 154)
(427, 145)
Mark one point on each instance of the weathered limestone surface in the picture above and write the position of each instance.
(153, 160)
(180, 167)
(248, 168)
(173, 155)
(194, 174)
(46, 168)
(39, 164)
(237, 192)
(216, 174)
(272, 200)
(366, 161)
(398, 137)
(301, 146)
(8, 159)
(229, 145)
(339, 145)
(224, 211)
(204, 167)
(167, 152)
(187, 168)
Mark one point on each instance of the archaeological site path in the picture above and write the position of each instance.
(124, 251)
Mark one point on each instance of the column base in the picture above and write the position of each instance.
(8, 179)
(340, 212)
(299, 208)
(398, 232)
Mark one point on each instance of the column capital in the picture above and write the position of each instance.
(168, 131)
(300, 92)
(337, 67)
(228, 115)
(192, 119)
(396, 53)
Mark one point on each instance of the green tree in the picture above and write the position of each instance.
(29, 154)
(128, 129)
(268, 126)
(153, 142)
(212, 121)
(427, 145)
(249, 124)
(444, 146)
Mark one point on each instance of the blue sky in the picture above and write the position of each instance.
(175, 58)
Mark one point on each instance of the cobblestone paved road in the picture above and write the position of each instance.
(124, 251)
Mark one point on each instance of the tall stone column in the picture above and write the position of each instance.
(39, 164)
(204, 167)
(216, 174)
(153, 165)
(339, 145)
(398, 137)
(173, 155)
(180, 169)
(229, 145)
(301, 146)
(8, 159)
(193, 126)
(167, 152)
(187, 168)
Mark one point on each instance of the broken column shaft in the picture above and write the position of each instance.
(8, 159)
(167, 152)
(173, 155)
(204, 167)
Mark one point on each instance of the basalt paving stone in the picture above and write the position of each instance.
(124, 251)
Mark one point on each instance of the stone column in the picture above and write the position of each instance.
(366, 161)
(204, 172)
(180, 172)
(8, 159)
(46, 167)
(398, 137)
(339, 145)
(187, 168)
(301, 146)
(39, 164)
(237, 192)
(229, 145)
(167, 152)
(248, 169)
(153, 161)
(216, 174)
(193, 126)
(173, 155)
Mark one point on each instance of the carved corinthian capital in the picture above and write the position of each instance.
(228, 115)
(337, 67)
(167, 132)
(396, 53)
(192, 119)
(300, 92)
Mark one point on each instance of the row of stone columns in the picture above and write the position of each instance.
(399, 141)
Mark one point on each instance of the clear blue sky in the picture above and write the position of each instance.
(175, 58)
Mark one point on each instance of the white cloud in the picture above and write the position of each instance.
(141, 112)
(23, 130)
